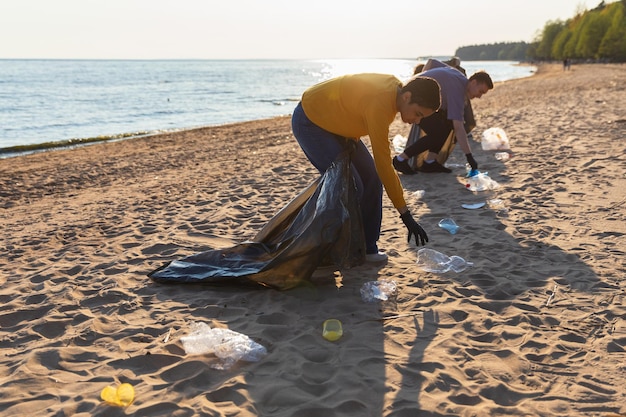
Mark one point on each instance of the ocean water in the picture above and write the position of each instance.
(43, 102)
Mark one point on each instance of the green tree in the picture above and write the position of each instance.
(599, 33)
(614, 41)
(591, 31)
(550, 31)
(558, 45)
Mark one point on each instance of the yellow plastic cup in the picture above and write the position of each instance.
(332, 330)
(121, 396)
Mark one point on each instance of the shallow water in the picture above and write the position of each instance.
(43, 102)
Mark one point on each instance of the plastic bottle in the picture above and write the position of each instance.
(449, 225)
(332, 330)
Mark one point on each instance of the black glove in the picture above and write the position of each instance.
(414, 229)
(471, 160)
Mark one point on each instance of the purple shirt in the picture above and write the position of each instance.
(452, 83)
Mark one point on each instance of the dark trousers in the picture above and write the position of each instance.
(437, 128)
(322, 147)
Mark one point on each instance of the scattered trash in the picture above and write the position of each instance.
(226, 344)
(494, 139)
(471, 171)
(378, 290)
(332, 330)
(496, 204)
(502, 156)
(430, 260)
(481, 182)
(449, 225)
(472, 206)
(121, 396)
(399, 143)
(418, 194)
(551, 297)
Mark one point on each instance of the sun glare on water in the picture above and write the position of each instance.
(401, 68)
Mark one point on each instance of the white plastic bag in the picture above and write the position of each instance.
(382, 290)
(399, 143)
(227, 345)
(481, 182)
(494, 139)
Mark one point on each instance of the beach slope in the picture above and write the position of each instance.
(535, 327)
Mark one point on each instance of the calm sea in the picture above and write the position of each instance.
(48, 101)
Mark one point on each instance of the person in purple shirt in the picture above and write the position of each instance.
(456, 91)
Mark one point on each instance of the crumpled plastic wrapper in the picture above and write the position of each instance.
(228, 345)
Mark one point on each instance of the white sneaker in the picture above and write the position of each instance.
(376, 257)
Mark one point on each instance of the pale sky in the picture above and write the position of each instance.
(276, 29)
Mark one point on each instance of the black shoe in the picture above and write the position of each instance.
(434, 167)
(403, 166)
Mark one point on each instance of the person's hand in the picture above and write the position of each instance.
(471, 160)
(414, 229)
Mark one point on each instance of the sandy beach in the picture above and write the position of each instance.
(536, 327)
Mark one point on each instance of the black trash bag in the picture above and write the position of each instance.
(321, 226)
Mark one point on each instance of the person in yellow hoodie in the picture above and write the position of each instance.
(336, 112)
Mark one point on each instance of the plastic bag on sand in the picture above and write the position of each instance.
(481, 182)
(227, 345)
(494, 139)
(430, 260)
(373, 291)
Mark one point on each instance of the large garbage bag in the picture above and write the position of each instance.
(321, 226)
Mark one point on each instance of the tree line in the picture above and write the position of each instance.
(592, 35)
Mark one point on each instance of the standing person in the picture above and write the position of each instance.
(336, 112)
(456, 92)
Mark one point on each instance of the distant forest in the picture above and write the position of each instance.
(592, 35)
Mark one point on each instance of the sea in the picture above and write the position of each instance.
(50, 103)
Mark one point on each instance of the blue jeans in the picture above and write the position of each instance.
(322, 147)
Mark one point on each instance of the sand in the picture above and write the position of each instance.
(536, 327)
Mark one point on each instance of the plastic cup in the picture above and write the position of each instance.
(450, 225)
(332, 330)
(121, 396)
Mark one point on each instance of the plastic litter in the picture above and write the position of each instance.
(471, 172)
(449, 225)
(122, 396)
(332, 330)
(472, 206)
(227, 345)
(378, 290)
(418, 194)
(430, 260)
(481, 182)
(502, 156)
(494, 139)
(496, 204)
(399, 143)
